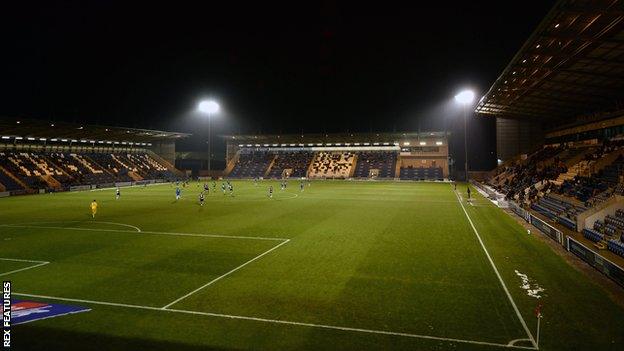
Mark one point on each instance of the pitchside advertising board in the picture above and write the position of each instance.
(519, 211)
(547, 229)
(595, 260)
(16, 312)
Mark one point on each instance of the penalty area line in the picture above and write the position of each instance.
(282, 322)
(39, 264)
(146, 232)
(500, 278)
(83, 222)
(223, 276)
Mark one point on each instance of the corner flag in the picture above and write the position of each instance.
(538, 314)
(538, 310)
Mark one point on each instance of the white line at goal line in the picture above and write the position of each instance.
(283, 322)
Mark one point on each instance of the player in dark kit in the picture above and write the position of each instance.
(271, 191)
(201, 198)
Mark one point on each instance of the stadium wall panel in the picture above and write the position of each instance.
(514, 137)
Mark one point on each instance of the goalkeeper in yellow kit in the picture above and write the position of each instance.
(94, 207)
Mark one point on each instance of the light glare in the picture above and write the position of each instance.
(208, 106)
(465, 97)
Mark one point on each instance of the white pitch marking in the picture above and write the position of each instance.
(264, 197)
(146, 232)
(119, 224)
(513, 303)
(88, 222)
(288, 198)
(21, 260)
(513, 342)
(223, 275)
(342, 198)
(121, 187)
(278, 321)
(39, 264)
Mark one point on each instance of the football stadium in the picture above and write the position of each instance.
(493, 219)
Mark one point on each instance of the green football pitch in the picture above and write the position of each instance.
(341, 265)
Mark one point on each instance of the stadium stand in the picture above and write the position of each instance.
(609, 230)
(382, 163)
(560, 209)
(560, 131)
(423, 155)
(368, 164)
(62, 170)
(112, 165)
(252, 164)
(592, 235)
(523, 179)
(33, 157)
(23, 168)
(421, 173)
(7, 180)
(80, 169)
(616, 247)
(332, 165)
(291, 164)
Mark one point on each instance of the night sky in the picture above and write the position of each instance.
(275, 67)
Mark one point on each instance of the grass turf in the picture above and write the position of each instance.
(387, 257)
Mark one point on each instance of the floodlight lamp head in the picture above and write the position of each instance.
(208, 106)
(465, 97)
